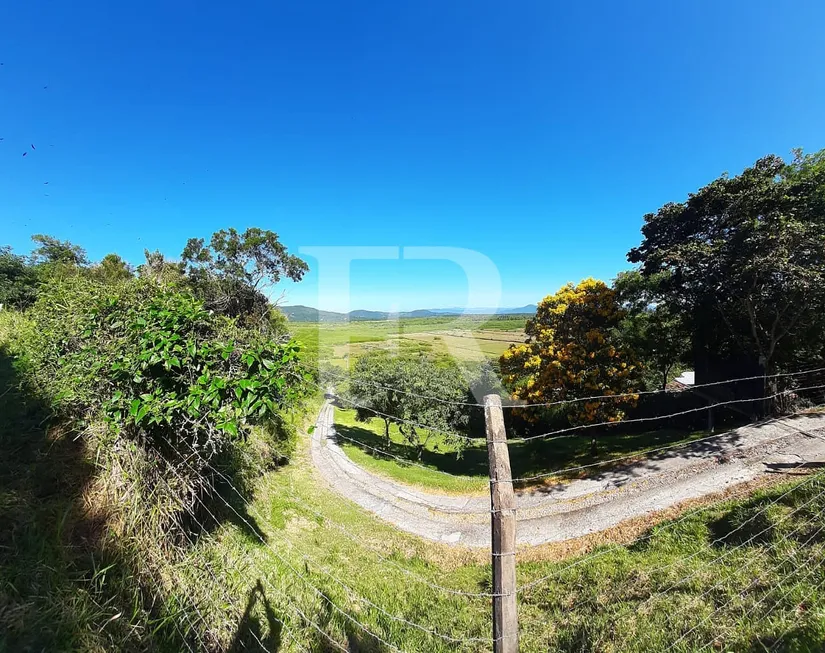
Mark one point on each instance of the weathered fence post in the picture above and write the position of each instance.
(503, 504)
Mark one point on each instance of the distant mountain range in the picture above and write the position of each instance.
(309, 314)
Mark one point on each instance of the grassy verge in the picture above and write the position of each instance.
(65, 583)
(733, 577)
(469, 473)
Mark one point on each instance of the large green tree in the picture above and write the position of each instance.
(256, 257)
(745, 259)
(650, 327)
(232, 271)
(398, 390)
(52, 250)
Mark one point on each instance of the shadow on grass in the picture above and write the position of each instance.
(358, 640)
(63, 588)
(226, 504)
(801, 639)
(66, 583)
(251, 635)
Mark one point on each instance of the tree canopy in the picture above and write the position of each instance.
(650, 327)
(571, 352)
(396, 389)
(231, 272)
(254, 257)
(18, 282)
(745, 258)
(53, 250)
(112, 269)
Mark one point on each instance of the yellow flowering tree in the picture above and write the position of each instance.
(571, 352)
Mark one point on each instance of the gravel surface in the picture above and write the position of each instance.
(604, 499)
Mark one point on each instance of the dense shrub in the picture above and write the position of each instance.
(168, 391)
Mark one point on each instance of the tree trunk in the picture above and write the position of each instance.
(593, 448)
(387, 431)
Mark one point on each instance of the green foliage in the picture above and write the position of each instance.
(255, 256)
(745, 259)
(158, 363)
(166, 376)
(159, 269)
(112, 269)
(66, 584)
(407, 381)
(18, 283)
(651, 328)
(53, 250)
(230, 272)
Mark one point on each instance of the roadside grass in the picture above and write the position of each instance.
(64, 585)
(300, 565)
(469, 472)
(734, 576)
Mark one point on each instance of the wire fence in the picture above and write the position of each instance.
(779, 538)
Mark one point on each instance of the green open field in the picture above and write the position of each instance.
(463, 338)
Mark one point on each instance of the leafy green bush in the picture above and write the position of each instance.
(168, 391)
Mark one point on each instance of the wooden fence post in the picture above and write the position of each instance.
(503, 518)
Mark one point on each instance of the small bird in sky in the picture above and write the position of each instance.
(45, 183)
(33, 147)
(25, 153)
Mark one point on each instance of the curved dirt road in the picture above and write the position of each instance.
(570, 510)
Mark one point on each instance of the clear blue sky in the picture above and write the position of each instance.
(536, 133)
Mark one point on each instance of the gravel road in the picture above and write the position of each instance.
(602, 500)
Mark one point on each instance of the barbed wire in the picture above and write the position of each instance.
(359, 538)
(722, 539)
(568, 432)
(653, 533)
(226, 595)
(748, 564)
(300, 576)
(404, 461)
(419, 626)
(428, 427)
(350, 591)
(807, 596)
(638, 420)
(517, 403)
(406, 493)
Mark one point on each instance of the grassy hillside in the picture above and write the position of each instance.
(291, 566)
(299, 566)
